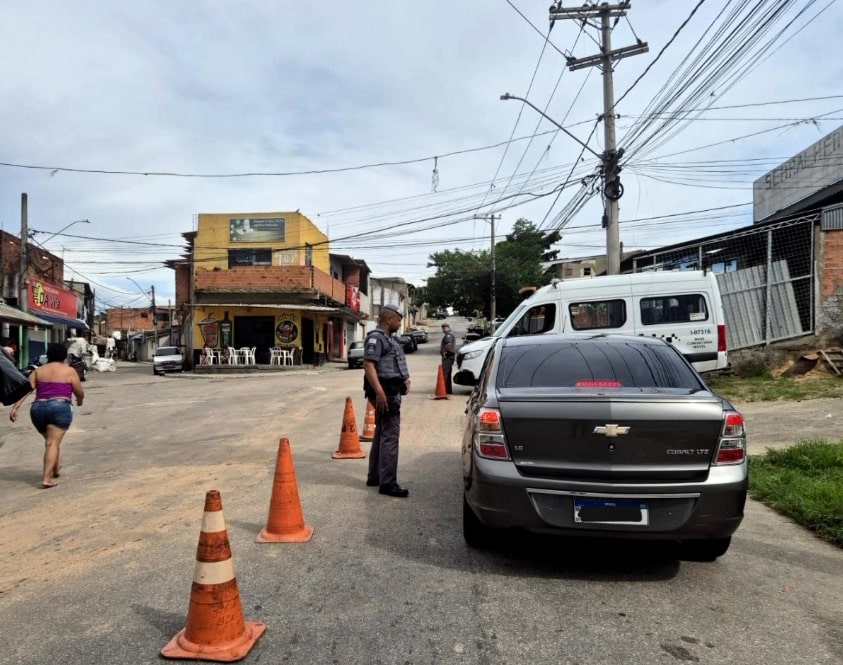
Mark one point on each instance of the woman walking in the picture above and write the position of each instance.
(54, 384)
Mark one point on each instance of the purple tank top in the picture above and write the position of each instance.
(52, 390)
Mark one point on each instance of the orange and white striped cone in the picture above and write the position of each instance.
(285, 523)
(368, 433)
(215, 629)
(349, 439)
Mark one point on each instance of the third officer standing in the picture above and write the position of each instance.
(447, 350)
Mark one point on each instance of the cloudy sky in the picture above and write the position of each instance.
(382, 122)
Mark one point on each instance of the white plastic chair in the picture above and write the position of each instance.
(274, 356)
(286, 357)
(211, 356)
(232, 355)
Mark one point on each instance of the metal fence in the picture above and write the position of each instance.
(766, 278)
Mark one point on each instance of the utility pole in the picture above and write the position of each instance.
(23, 291)
(24, 249)
(154, 320)
(491, 218)
(612, 188)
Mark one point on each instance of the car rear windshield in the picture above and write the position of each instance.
(591, 364)
(167, 351)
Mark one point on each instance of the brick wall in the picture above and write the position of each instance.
(127, 318)
(830, 310)
(270, 278)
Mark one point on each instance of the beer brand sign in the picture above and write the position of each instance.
(52, 299)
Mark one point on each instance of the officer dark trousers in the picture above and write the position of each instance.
(383, 456)
(447, 366)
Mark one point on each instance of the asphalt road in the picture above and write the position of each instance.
(99, 569)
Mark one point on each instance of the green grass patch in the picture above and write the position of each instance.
(805, 483)
(773, 388)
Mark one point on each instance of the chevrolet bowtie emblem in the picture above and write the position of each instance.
(611, 430)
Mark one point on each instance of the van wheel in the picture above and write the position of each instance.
(84, 375)
(475, 533)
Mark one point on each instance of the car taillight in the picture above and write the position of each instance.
(489, 440)
(732, 446)
(721, 337)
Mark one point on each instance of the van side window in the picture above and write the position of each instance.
(597, 314)
(536, 320)
(686, 308)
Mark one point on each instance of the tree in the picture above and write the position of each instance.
(463, 279)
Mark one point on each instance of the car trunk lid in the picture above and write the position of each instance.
(626, 437)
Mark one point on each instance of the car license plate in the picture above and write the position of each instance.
(611, 511)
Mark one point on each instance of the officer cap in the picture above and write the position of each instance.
(394, 308)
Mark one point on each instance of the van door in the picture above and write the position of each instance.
(686, 320)
(537, 319)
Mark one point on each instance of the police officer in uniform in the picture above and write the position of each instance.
(447, 350)
(386, 379)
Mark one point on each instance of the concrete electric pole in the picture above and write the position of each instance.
(612, 188)
(492, 313)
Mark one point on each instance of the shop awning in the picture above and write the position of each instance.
(17, 316)
(68, 321)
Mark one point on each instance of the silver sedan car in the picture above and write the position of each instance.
(603, 436)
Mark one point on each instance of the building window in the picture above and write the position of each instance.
(308, 254)
(249, 257)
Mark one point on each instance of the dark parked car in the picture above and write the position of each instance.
(602, 435)
(419, 335)
(407, 342)
(355, 355)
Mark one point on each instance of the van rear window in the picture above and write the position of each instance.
(685, 308)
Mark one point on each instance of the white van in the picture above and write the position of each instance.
(683, 307)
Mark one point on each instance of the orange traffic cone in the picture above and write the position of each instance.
(349, 439)
(285, 523)
(215, 627)
(369, 424)
(440, 386)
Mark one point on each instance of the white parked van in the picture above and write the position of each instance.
(683, 307)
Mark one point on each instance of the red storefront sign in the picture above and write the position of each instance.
(51, 299)
(352, 297)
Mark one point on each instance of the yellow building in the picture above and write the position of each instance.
(264, 281)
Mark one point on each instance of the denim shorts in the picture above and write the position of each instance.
(56, 412)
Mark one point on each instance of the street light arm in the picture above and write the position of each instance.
(78, 221)
(507, 96)
(151, 300)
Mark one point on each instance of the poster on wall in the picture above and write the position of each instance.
(210, 329)
(256, 230)
(287, 331)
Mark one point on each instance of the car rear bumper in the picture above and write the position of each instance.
(502, 498)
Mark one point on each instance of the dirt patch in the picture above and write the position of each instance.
(783, 423)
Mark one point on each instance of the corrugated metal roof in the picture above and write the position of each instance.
(15, 315)
(832, 219)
